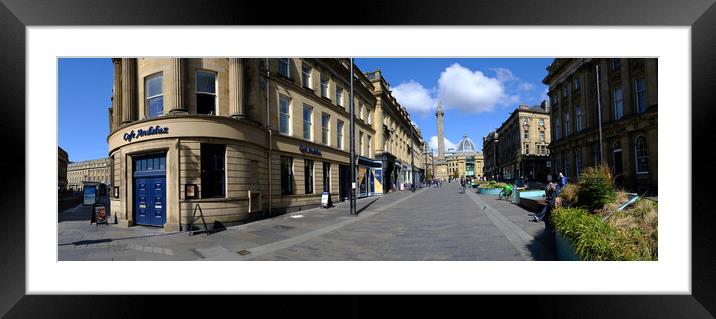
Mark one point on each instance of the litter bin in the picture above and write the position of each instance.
(515, 196)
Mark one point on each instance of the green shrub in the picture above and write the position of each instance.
(569, 194)
(594, 239)
(596, 188)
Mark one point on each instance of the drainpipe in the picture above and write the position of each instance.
(179, 178)
(268, 129)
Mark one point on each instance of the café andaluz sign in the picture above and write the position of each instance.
(152, 130)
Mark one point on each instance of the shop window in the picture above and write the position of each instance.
(370, 147)
(153, 95)
(618, 106)
(284, 109)
(213, 174)
(308, 175)
(324, 86)
(641, 154)
(360, 143)
(339, 134)
(286, 175)
(640, 85)
(283, 67)
(306, 76)
(616, 63)
(206, 92)
(339, 95)
(326, 177)
(307, 122)
(325, 122)
(567, 124)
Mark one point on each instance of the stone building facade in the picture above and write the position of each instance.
(240, 137)
(97, 170)
(62, 161)
(490, 149)
(464, 160)
(401, 146)
(519, 147)
(629, 119)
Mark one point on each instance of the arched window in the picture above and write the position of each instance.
(641, 155)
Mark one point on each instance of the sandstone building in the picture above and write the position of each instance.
(629, 104)
(78, 173)
(242, 137)
(519, 147)
(62, 161)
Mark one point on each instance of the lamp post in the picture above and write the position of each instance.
(412, 163)
(352, 146)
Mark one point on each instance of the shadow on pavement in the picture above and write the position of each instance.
(542, 248)
(107, 240)
(366, 206)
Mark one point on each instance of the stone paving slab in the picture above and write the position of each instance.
(430, 224)
(78, 240)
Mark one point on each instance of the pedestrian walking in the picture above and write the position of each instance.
(561, 183)
(550, 195)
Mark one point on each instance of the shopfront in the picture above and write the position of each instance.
(369, 177)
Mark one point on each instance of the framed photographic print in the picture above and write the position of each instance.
(191, 191)
(216, 94)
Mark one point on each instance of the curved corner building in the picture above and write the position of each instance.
(238, 137)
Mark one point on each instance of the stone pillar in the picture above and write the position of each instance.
(378, 127)
(584, 92)
(626, 88)
(176, 105)
(129, 90)
(236, 82)
(117, 94)
(441, 144)
(604, 92)
(651, 82)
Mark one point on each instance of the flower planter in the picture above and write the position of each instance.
(489, 191)
(565, 249)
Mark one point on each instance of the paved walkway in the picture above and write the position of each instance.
(430, 224)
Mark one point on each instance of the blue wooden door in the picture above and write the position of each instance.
(150, 189)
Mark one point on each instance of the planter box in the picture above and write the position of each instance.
(532, 204)
(489, 191)
(564, 248)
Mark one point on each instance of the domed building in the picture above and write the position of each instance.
(464, 160)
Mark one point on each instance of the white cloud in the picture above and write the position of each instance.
(504, 75)
(434, 144)
(414, 97)
(526, 86)
(461, 88)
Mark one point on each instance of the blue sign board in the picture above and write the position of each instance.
(152, 130)
(309, 150)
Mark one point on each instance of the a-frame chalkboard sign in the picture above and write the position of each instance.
(195, 218)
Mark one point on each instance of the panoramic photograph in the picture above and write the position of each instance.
(357, 159)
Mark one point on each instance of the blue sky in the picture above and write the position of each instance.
(84, 91)
(477, 95)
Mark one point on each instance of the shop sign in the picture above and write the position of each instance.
(309, 150)
(142, 133)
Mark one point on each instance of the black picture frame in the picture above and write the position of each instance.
(191, 191)
(15, 15)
